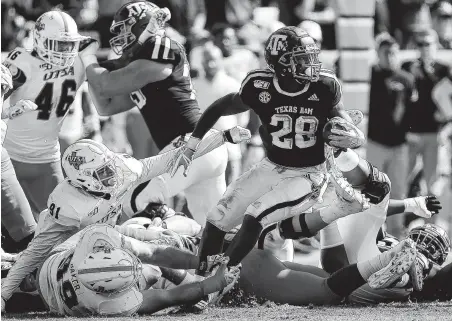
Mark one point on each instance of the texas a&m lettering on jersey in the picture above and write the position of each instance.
(292, 123)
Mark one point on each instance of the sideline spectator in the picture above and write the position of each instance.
(390, 91)
(442, 24)
(422, 122)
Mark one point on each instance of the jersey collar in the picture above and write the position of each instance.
(278, 88)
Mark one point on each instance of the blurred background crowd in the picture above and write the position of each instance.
(225, 39)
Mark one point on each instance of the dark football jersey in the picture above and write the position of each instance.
(292, 123)
(169, 106)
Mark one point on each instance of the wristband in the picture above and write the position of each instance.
(228, 136)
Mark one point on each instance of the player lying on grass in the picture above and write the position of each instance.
(292, 283)
(101, 272)
(93, 191)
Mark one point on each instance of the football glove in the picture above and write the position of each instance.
(423, 206)
(351, 137)
(185, 156)
(237, 135)
(155, 24)
(19, 108)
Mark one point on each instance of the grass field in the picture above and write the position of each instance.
(383, 312)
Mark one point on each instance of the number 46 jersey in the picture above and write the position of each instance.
(292, 123)
(33, 137)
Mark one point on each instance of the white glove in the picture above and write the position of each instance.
(21, 107)
(351, 137)
(185, 156)
(423, 206)
(237, 135)
(155, 24)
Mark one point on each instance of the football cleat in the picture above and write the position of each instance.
(400, 264)
(232, 275)
(416, 271)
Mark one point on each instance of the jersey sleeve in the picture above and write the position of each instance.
(60, 210)
(17, 63)
(334, 87)
(247, 92)
(48, 235)
(161, 49)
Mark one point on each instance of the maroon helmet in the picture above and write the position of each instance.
(432, 241)
(132, 19)
(290, 51)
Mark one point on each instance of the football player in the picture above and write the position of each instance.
(353, 238)
(50, 76)
(99, 271)
(153, 74)
(17, 217)
(93, 192)
(286, 282)
(294, 99)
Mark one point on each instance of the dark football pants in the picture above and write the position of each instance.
(17, 217)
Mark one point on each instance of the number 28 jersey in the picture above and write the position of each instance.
(33, 137)
(292, 123)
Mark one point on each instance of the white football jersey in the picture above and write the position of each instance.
(66, 295)
(33, 137)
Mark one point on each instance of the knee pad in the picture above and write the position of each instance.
(378, 185)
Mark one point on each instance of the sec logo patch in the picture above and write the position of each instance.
(264, 97)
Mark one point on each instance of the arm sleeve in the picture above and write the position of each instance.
(50, 235)
(336, 91)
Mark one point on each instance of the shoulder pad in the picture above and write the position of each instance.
(260, 78)
(19, 62)
(62, 204)
(161, 49)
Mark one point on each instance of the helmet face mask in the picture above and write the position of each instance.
(432, 241)
(124, 36)
(56, 39)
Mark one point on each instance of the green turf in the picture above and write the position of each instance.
(383, 312)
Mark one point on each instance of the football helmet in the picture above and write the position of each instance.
(432, 241)
(290, 51)
(56, 39)
(7, 80)
(109, 270)
(91, 166)
(132, 19)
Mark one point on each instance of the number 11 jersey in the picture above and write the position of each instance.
(33, 136)
(292, 123)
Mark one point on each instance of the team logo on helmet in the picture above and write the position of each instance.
(277, 43)
(137, 10)
(75, 161)
(264, 97)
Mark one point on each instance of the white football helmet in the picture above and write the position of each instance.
(92, 166)
(109, 270)
(56, 39)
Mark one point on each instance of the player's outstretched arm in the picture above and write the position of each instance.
(156, 300)
(51, 234)
(161, 255)
(423, 206)
(126, 80)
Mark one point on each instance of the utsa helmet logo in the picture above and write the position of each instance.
(75, 161)
(277, 42)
